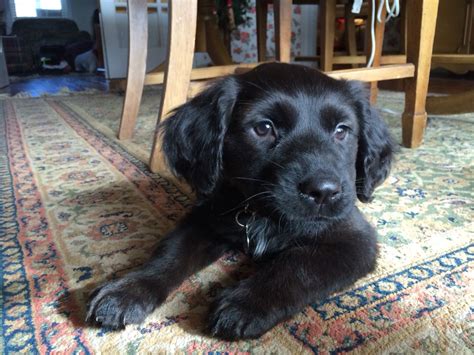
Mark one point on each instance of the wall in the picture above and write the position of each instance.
(81, 12)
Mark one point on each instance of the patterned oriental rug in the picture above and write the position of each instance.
(78, 207)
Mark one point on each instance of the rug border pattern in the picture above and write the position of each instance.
(9, 225)
(34, 238)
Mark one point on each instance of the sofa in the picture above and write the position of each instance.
(30, 35)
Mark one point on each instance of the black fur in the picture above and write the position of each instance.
(286, 150)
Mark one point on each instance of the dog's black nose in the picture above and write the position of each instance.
(320, 190)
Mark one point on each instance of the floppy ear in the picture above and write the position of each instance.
(376, 147)
(193, 136)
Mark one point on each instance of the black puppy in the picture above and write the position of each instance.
(277, 157)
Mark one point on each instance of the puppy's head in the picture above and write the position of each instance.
(305, 145)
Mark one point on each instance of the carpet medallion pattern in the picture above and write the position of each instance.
(78, 207)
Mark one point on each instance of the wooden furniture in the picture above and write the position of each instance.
(328, 11)
(453, 43)
(454, 103)
(327, 17)
(181, 41)
(178, 74)
(454, 39)
(421, 24)
(207, 39)
(451, 104)
(379, 34)
(208, 34)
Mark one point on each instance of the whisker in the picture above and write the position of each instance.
(252, 179)
(253, 84)
(255, 195)
(279, 223)
(260, 195)
(275, 163)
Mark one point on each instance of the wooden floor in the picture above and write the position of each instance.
(53, 84)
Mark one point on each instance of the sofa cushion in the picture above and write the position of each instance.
(27, 26)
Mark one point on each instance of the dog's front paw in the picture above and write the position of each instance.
(121, 302)
(234, 316)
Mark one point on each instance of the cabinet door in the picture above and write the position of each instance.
(4, 81)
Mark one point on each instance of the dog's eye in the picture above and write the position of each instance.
(341, 132)
(264, 128)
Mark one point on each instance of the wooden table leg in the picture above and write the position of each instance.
(328, 24)
(179, 64)
(403, 26)
(350, 31)
(421, 30)
(137, 52)
(261, 8)
(379, 34)
(215, 46)
(283, 12)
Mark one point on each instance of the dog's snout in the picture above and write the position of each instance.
(320, 190)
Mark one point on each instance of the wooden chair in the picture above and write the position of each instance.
(328, 11)
(178, 67)
(207, 40)
(179, 73)
(456, 55)
(327, 15)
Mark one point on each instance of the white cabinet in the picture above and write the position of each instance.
(4, 81)
(114, 24)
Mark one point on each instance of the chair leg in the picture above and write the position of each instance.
(138, 39)
(261, 8)
(403, 26)
(350, 34)
(179, 63)
(421, 28)
(328, 24)
(283, 12)
(379, 34)
(215, 45)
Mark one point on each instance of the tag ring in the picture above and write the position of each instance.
(237, 215)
